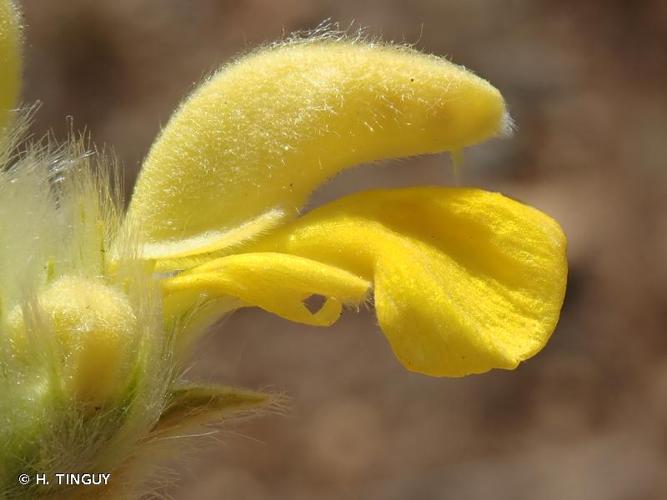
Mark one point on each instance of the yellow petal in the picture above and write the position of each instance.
(10, 59)
(465, 280)
(278, 283)
(245, 151)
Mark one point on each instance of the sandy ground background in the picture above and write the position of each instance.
(584, 420)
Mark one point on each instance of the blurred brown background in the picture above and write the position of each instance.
(586, 82)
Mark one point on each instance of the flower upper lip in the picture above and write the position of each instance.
(260, 135)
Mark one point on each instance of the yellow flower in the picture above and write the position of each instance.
(98, 307)
(462, 280)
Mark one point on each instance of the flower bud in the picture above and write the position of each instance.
(94, 328)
